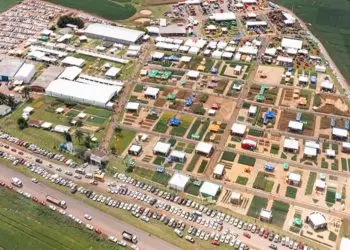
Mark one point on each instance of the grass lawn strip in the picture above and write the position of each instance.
(291, 192)
(256, 205)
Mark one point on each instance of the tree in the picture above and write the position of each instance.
(26, 92)
(88, 141)
(64, 20)
(79, 123)
(79, 134)
(68, 137)
(22, 123)
(113, 150)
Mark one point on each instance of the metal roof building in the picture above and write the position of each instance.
(93, 94)
(113, 33)
(9, 67)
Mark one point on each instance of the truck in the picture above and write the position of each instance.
(129, 237)
(60, 203)
(16, 182)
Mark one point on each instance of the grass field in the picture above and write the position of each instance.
(256, 205)
(291, 192)
(27, 225)
(279, 210)
(122, 139)
(6, 4)
(332, 30)
(110, 9)
(242, 180)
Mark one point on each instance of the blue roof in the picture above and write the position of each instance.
(173, 58)
(270, 115)
(174, 121)
(313, 79)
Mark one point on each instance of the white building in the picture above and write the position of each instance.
(113, 33)
(295, 126)
(210, 189)
(93, 94)
(112, 72)
(179, 182)
(219, 171)
(339, 133)
(4, 110)
(226, 16)
(204, 148)
(151, 92)
(161, 148)
(70, 73)
(238, 129)
(320, 185)
(61, 129)
(316, 220)
(265, 215)
(132, 106)
(310, 152)
(193, 74)
(73, 61)
(236, 198)
(294, 179)
(177, 156)
(25, 73)
(135, 149)
(288, 43)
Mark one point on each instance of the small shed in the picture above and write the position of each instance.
(210, 189)
(291, 145)
(295, 126)
(238, 129)
(132, 106)
(162, 148)
(4, 110)
(265, 215)
(151, 92)
(252, 110)
(219, 171)
(135, 149)
(320, 185)
(316, 220)
(294, 179)
(177, 156)
(339, 133)
(193, 74)
(236, 198)
(179, 182)
(204, 148)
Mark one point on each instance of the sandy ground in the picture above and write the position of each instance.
(226, 107)
(146, 12)
(142, 20)
(273, 73)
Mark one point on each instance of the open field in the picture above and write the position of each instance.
(5, 4)
(332, 30)
(114, 9)
(27, 225)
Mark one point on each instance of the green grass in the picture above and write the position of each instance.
(256, 132)
(279, 210)
(256, 205)
(122, 139)
(344, 164)
(242, 180)
(179, 166)
(332, 236)
(159, 160)
(192, 189)
(274, 149)
(330, 196)
(193, 163)
(180, 130)
(114, 9)
(262, 183)
(194, 128)
(324, 164)
(104, 113)
(27, 225)
(246, 160)
(332, 30)
(310, 183)
(162, 124)
(291, 192)
(202, 167)
(6, 4)
(72, 113)
(228, 156)
(98, 121)
(161, 178)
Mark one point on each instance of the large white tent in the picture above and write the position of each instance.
(93, 94)
(25, 73)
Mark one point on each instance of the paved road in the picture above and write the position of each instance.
(107, 223)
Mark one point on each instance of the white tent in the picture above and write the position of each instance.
(25, 73)
(193, 74)
(294, 125)
(178, 182)
(151, 92)
(61, 129)
(219, 170)
(70, 73)
(161, 148)
(177, 156)
(132, 106)
(69, 60)
(291, 144)
(204, 148)
(210, 189)
(238, 129)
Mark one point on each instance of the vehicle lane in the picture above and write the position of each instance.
(107, 223)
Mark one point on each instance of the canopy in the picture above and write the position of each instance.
(174, 121)
(270, 115)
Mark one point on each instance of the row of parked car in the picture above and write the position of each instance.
(37, 150)
(211, 218)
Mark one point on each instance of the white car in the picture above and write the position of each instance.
(90, 227)
(34, 180)
(87, 216)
